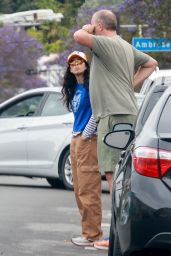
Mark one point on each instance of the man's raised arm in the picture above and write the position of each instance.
(83, 36)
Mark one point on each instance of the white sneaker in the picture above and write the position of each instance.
(82, 241)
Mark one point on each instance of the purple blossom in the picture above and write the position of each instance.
(149, 13)
(157, 3)
(18, 53)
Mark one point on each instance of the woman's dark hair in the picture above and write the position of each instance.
(69, 83)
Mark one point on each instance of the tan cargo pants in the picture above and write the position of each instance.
(87, 185)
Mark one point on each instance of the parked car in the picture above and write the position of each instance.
(141, 197)
(140, 98)
(159, 76)
(35, 134)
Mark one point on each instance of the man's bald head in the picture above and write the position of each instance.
(107, 18)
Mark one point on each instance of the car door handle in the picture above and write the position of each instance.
(22, 127)
(67, 123)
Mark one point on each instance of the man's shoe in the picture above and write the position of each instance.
(102, 245)
(82, 241)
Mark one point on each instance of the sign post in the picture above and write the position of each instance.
(151, 44)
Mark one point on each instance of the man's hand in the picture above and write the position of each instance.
(89, 28)
(84, 35)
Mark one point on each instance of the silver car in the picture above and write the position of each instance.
(35, 134)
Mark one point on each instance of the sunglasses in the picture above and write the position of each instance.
(76, 62)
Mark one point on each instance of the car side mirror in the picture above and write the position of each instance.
(120, 137)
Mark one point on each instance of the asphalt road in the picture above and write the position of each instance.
(36, 220)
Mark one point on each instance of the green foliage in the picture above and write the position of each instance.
(52, 34)
(5, 6)
(70, 9)
(54, 47)
(50, 4)
(24, 5)
(53, 31)
(35, 34)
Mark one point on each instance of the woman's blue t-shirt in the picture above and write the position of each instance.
(81, 108)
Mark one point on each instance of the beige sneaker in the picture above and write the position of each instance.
(102, 245)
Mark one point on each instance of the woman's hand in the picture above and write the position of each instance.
(84, 138)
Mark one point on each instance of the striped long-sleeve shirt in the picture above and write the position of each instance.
(91, 128)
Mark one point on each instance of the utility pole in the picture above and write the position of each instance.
(139, 27)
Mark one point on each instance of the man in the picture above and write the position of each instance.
(112, 80)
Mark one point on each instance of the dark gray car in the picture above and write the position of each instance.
(141, 199)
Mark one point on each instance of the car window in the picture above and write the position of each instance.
(153, 100)
(150, 101)
(22, 108)
(165, 119)
(54, 106)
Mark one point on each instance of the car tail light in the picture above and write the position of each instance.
(151, 161)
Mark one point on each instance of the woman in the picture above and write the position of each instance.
(83, 149)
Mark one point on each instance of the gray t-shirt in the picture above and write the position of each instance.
(111, 76)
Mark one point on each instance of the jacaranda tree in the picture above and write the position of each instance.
(18, 57)
(154, 16)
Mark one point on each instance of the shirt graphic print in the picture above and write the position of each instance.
(76, 101)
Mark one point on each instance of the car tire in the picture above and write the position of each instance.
(55, 182)
(116, 249)
(66, 171)
(111, 240)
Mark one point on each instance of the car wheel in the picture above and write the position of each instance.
(116, 249)
(66, 171)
